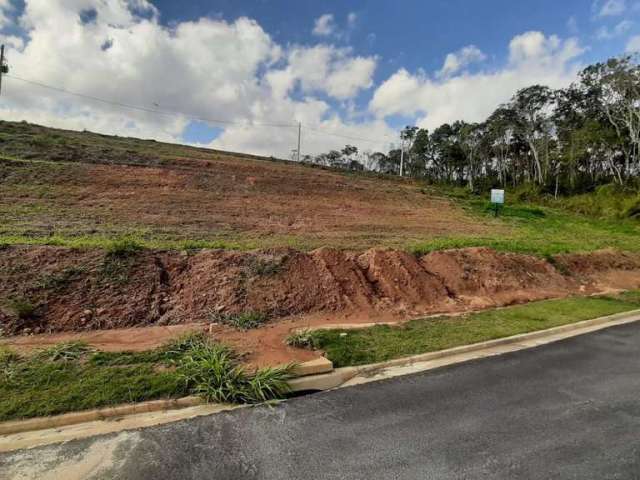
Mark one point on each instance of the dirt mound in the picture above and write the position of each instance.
(484, 271)
(399, 279)
(46, 289)
(597, 262)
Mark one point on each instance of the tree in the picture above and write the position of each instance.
(531, 107)
(617, 83)
(407, 136)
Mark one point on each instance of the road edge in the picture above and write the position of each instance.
(30, 433)
(426, 361)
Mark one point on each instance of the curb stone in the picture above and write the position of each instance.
(334, 378)
(342, 375)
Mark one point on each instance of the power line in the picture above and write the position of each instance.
(149, 110)
(175, 113)
(348, 137)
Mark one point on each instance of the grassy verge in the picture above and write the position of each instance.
(540, 230)
(382, 342)
(71, 377)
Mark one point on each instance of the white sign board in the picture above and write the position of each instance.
(497, 196)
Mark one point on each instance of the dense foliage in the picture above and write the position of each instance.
(563, 141)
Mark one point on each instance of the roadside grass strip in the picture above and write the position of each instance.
(72, 376)
(380, 343)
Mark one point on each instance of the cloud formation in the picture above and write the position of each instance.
(633, 44)
(234, 71)
(612, 8)
(454, 62)
(209, 68)
(604, 33)
(533, 58)
(324, 25)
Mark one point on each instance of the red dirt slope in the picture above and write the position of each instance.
(79, 290)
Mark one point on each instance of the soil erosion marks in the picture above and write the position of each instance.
(55, 289)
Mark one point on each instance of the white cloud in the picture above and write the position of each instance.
(5, 8)
(533, 58)
(208, 68)
(352, 18)
(456, 61)
(620, 29)
(572, 25)
(324, 25)
(633, 44)
(612, 8)
(326, 69)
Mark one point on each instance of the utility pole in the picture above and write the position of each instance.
(299, 135)
(401, 154)
(3, 68)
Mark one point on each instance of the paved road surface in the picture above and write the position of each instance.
(569, 410)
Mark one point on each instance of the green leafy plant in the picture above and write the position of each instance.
(119, 259)
(241, 321)
(8, 360)
(214, 372)
(58, 281)
(300, 339)
(22, 308)
(64, 352)
(123, 247)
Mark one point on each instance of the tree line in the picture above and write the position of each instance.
(562, 141)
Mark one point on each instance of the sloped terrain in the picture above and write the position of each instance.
(79, 290)
(80, 185)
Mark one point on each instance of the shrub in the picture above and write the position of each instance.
(241, 321)
(22, 308)
(119, 260)
(215, 373)
(123, 247)
(300, 339)
(57, 281)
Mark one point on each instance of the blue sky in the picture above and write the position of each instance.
(419, 33)
(361, 69)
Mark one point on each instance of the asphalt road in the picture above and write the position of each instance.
(568, 410)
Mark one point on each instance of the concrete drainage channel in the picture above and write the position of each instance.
(313, 376)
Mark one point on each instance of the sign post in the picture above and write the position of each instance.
(497, 199)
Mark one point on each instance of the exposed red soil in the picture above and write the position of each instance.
(223, 197)
(88, 291)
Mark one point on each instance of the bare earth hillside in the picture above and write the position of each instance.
(293, 246)
(56, 182)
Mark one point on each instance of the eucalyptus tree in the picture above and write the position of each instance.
(617, 84)
(532, 107)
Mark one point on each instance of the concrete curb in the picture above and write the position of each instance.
(313, 380)
(312, 368)
(342, 375)
(41, 423)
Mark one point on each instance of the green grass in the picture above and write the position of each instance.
(380, 343)
(45, 168)
(241, 321)
(71, 377)
(540, 230)
(105, 242)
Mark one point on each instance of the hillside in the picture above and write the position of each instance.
(79, 188)
(236, 242)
